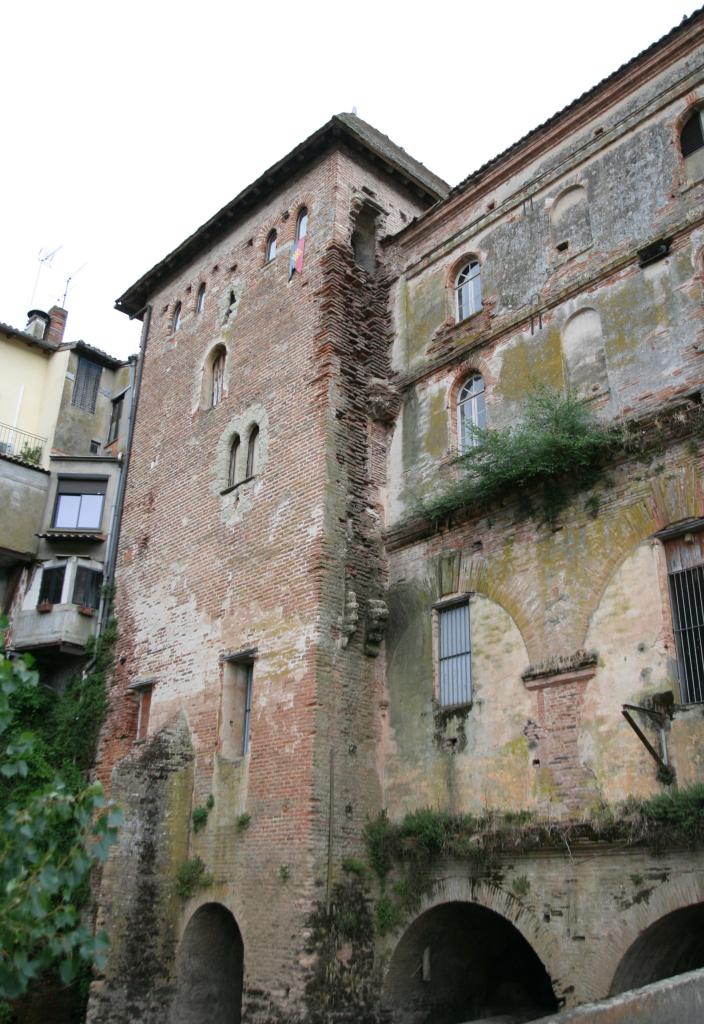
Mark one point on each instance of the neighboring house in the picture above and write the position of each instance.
(302, 645)
(64, 415)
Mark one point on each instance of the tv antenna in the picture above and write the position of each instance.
(44, 259)
(68, 283)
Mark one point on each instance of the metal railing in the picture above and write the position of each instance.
(21, 445)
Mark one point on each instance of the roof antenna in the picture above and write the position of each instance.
(68, 282)
(44, 261)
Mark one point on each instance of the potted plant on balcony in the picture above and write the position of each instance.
(44, 606)
(85, 609)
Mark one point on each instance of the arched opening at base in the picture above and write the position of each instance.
(462, 962)
(209, 969)
(672, 945)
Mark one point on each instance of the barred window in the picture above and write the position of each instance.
(86, 384)
(454, 655)
(685, 563)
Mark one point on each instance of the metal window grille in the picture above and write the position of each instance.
(247, 709)
(86, 589)
(86, 384)
(687, 598)
(52, 585)
(455, 656)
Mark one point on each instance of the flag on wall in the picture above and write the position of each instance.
(295, 265)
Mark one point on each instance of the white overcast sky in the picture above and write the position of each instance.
(126, 125)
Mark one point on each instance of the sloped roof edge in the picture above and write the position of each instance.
(348, 126)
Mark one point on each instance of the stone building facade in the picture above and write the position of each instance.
(313, 357)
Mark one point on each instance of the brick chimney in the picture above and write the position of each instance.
(57, 325)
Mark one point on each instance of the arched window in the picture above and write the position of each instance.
(176, 317)
(218, 379)
(692, 134)
(692, 145)
(232, 468)
(200, 299)
(302, 224)
(252, 452)
(471, 411)
(468, 289)
(270, 246)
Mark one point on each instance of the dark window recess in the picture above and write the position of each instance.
(52, 584)
(252, 452)
(692, 136)
(86, 589)
(115, 417)
(79, 504)
(454, 663)
(94, 447)
(86, 384)
(232, 469)
(652, 253)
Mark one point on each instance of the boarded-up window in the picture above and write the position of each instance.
(454, 655)
(86, 384)
(218, 379)
(685, 562)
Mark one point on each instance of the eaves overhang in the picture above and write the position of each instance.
(341, 129)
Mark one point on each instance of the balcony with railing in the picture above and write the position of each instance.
(21, 445)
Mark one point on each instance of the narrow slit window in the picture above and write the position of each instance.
(176, 318)
(232, 468)
(218, 380)
(302, 224)
(252, 452)
(468, 290)
(471, 412)
(200, 300)
(454, 655)
(270, 246)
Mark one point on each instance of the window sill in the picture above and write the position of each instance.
(451, 709)
(470, 316)
(240, 483)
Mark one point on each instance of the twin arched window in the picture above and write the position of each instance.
(468, 291)
(234, 466)
(471, 412)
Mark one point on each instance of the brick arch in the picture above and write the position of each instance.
(611, 953)
(477, 574)
(472, 892)
(669, 502)
(209, 967)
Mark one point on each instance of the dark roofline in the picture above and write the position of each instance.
(341, 127)
(96, 354)
(621, 72)
(15, 332)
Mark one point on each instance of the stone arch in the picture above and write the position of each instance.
(472, 949)
(658, 938)
(209, 969)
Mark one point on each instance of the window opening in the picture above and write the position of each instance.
(252, 452)
(454, 655)
(52, 585)
(79, 504)
(200, 299)
(94, 447)
(692, 134)
(236, 718)
(115, 417)
(232, 469)
(685, 564)
(364, 239)
(468, 289)
(270, 246)
(218, 380)
(176, 319)
(86, 588)
(86, 384)
(471, 409)
(302, 224)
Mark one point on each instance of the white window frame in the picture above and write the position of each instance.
(468, 290)
(471, 411)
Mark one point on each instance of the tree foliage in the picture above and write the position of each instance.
(554, 449)
(51, 835)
